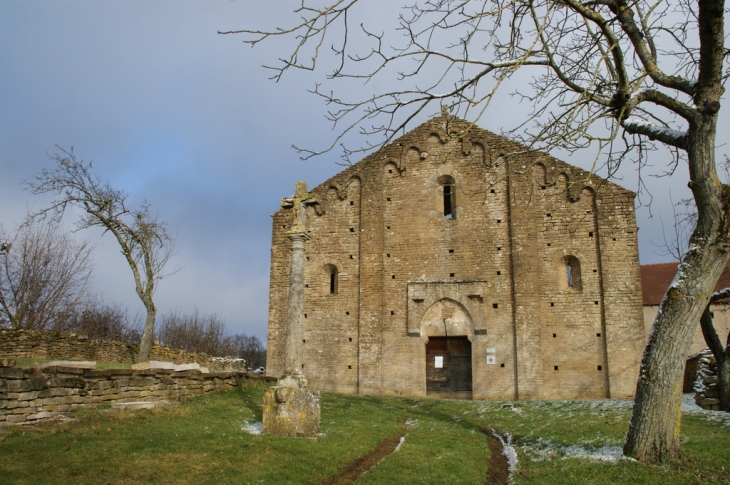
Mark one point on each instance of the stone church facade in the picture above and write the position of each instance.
(454, 263)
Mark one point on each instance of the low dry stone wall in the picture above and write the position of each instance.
(707, 392)
(28, 395)
(44, 344)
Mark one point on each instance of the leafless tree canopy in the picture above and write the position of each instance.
(601, 72)
(143, 238)
(103, 321)
(615, 76)
(195, 332)
(44, 276)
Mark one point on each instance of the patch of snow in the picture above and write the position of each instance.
(547, 450)
(654, 130)
(603, 453)
(251, 428)
(402, 440)
(689, 406)
(508, 450)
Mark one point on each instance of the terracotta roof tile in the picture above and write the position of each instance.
(656, 278)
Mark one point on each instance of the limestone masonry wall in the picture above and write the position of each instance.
(45, 344)
(454, 262)
(28, 395)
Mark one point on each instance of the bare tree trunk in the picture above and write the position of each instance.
(653, 433)
(722, 356)
(148, 333)
(723, 380)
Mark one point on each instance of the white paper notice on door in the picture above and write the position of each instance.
(439, 361)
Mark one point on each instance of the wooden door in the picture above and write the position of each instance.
(448, 367)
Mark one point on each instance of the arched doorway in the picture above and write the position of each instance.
(448, 350)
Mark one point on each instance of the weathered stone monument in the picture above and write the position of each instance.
(290, 408)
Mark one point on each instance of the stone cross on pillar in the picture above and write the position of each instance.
(295, 307)
(290, 408)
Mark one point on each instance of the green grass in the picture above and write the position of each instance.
(201, 442)
(29, 363)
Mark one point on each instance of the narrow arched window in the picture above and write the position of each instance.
(448, 189)
(572, 272)
(332, 272)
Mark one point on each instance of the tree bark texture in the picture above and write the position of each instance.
(148, 333)
(653, 433)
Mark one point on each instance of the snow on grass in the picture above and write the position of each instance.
(690, 407)
(542, 450)
(251, 428)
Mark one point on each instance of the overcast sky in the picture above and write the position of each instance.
(171, 111)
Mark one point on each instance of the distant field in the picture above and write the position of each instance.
(208, 440)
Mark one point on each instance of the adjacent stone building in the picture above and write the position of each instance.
(455, 263)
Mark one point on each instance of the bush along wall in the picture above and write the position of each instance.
(28, 395)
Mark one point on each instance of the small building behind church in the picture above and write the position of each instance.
(456, 263)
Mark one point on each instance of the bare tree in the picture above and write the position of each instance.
(721, 353)
(44, 275)
(105, 321)
(195, 333)
(144, 239)
(621, 77)
(250, 348)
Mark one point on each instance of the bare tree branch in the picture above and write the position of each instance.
(143, 238)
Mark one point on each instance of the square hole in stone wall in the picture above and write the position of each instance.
(552, 303)
(350, 339)
(349, 367)
(352, 229)
(392, 277)
(499, 273)
(495, 305)
(451, 250)
(555, 335)
(501, 365)
(352, 203)
(392, 312)
(598, 335)
(347, 313)
(600, 367)
(451, 275)
(555, 367)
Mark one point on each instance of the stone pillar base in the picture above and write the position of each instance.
(290, 408)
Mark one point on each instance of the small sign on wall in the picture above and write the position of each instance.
(491, 357)
(439, 361)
